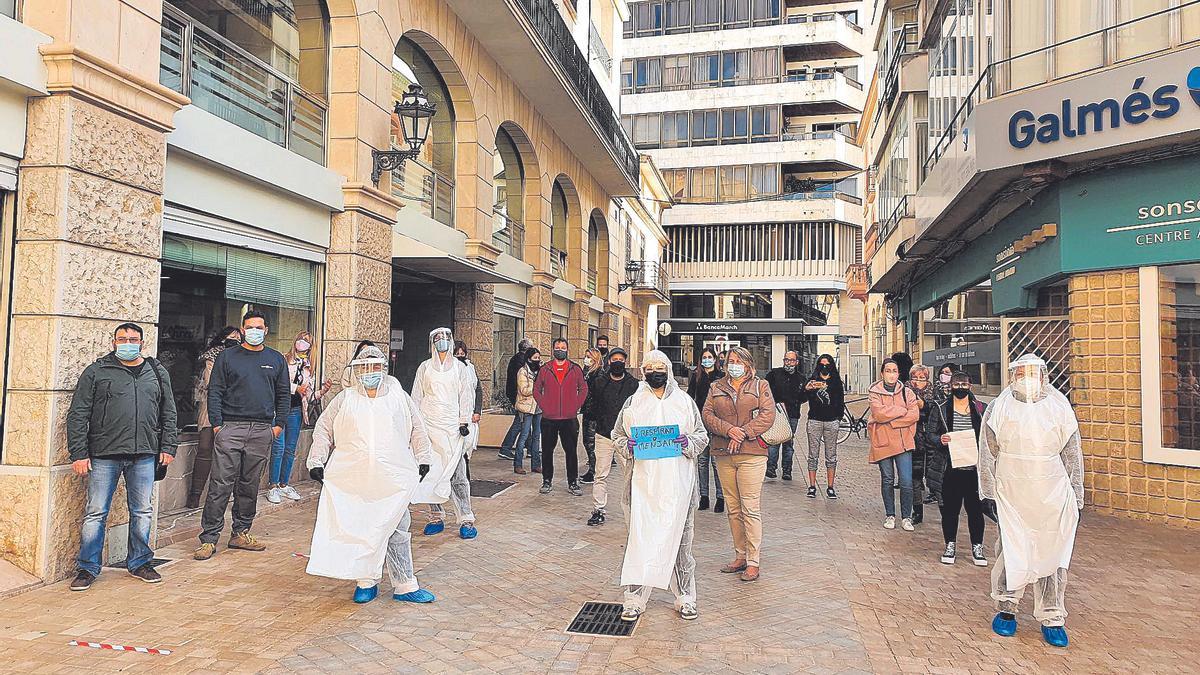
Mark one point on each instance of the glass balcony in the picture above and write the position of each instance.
(223, 79)
(508, 235)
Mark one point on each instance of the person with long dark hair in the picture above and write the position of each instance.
(706, 372)
(227, 337)
(529, 438)
(826, 398)
(961, 412)
(937, 458)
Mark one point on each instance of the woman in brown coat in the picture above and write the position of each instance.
(739, 409)
(892, 430)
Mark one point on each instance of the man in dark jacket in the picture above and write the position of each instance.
(249, 394)
(786, 383)
(613, 386)
(560, 390)
(507, 450)
(121, 423)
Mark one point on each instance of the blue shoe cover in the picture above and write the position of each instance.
(468, 531)
(363, 595)
(1004, 627)
(1055, 636)
(434, 528)
(419, 595)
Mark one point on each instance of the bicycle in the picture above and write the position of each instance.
(851, 424)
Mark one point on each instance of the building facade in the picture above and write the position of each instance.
(178, 163)
(1053, 209)
(750, 108)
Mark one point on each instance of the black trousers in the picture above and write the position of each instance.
(960, 487)
(568, 432)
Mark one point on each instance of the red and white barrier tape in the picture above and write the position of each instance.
(120, 648)
(300, 555)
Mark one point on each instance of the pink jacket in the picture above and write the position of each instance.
(892, 425)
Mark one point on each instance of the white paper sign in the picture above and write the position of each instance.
(964, 450)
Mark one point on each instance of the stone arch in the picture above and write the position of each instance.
(533, 197)
(599, 253)
(566, 230)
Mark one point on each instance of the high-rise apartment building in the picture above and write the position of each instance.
(750, 108)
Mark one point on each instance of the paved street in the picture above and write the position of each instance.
(837, 594)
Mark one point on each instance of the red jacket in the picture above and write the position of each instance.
(560, 400)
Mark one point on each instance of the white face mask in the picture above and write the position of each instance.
(587, 362)
(1029, 387)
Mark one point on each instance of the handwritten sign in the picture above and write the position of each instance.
(655, 442)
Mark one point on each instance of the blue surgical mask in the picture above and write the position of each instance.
(371, 380)
(128, 351)
(255, 336)
(442, 345)
(736, 370)
(708, 362)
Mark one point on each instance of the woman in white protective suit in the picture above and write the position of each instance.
(1031, 481)
(444, 391)
(382, 454)
(660, 495)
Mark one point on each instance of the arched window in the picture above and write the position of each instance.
(426, 183)
(558, 230)
(508, 189)
(593, 266)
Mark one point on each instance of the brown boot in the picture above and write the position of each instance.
(751, 574)
(246, 542)
(204, 552)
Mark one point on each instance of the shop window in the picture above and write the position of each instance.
(508, 196)
(506, 333)
(207, 286)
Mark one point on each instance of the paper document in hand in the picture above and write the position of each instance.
(655, 442)
(964, 449)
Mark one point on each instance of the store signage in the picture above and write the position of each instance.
(957, 327)
(980, 352)
(744, 326)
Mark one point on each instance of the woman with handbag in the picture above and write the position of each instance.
(892, 431)
(738, 413)
(304, 392)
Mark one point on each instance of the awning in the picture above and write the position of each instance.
(452, 268)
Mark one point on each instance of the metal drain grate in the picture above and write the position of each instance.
(601, 618)
(489, 488)
(154, 562)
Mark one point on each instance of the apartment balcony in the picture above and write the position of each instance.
(858, 281)
(899, 75)
(533, 45)
(649, 281)
(895, 231)
(821, 35)
(805, 93)
(796, 207)
(815, 151)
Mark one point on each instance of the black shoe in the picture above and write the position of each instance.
(917, 519)
(896, 486)
(812, 491)
(771, 473)
(719, 507)
(830, 492)
(703, 503)
(930, 498)
(597, 518)
(573, 490)
(787, 475)
(588, 478)
(83, 581)
(147, 574)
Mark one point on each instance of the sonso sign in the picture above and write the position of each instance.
(1148, 99)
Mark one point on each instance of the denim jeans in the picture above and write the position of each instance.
(789, 450)
(703, 462)
(529, 439)
(887, 473)
(283, 450)
(510, 438)
(101, 484)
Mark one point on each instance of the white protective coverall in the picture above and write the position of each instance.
(445, 394)
(362, 516)
(660, 495)
(1031, 463)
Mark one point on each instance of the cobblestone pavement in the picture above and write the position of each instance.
(837, 594)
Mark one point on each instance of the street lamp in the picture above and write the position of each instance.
(416, 114)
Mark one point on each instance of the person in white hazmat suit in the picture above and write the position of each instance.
(1031, 481)
(661, 495)
(380, 454)
(444, 391)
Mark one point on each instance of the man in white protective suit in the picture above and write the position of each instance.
(660, 495)
(382, 455)
(1031, 481)
(444, 391)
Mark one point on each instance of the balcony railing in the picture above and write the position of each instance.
(556, 35)
(858, 280)
(818, 136)
(597, 49)
(647, 275)
(508, 235)
(417, 184)
(823, 194)
(592, 278)
(823, 16)
(796, 250)
(1114, 44)
(825, 75)
(558, 263)
(236, 86)
(887, 227)
(905, 43)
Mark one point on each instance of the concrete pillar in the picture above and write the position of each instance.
(579, 322)
(778, 342)
(537, 311)
(474, 310)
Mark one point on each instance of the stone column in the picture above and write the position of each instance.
(86, 257)
(358, 282)
(474, 310)
(537, 311)
(579, 323)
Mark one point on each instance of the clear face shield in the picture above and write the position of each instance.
(368, 372)
(1029, 377)
(442, 340)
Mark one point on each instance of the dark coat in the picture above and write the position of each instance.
(114, 412)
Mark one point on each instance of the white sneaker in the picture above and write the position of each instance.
(889, 523)
(274, 495)
(290, 492)
(907, 525)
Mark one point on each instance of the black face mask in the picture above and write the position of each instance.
(230, 342)
(961, 393)
(534, 365)
(656, 380)
(824, 369)
(603, 351)
(560, 354)
(617, 368)
(462, 358)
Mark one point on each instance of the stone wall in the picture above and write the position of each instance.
(1106, 384)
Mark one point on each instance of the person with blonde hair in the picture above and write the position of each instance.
(593, 368)
(304, 392)
(739, 410)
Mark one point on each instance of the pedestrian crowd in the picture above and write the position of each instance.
(377, 450)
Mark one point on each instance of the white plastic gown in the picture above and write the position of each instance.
(1031, 463)
(369, 480)
(660, 496)
(445, 395)
(472, 440)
